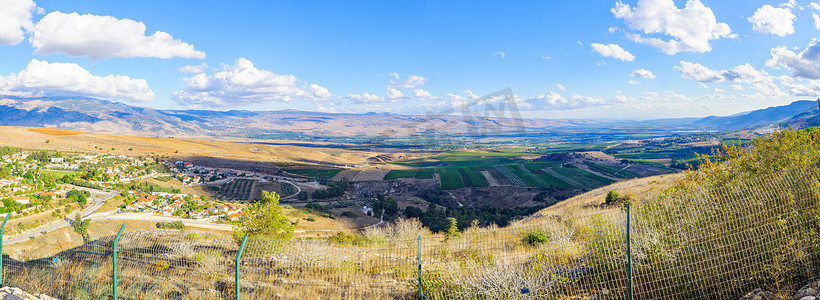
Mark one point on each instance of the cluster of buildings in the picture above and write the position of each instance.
(125, 169)
(19, 160)
(188, 173)
(170, 204)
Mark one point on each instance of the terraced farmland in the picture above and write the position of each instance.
(451, 179)
(346, 175)
(575, 178)
(509, 176)
(370, 175)
(426, 173)
(237, 190)
(612, 171)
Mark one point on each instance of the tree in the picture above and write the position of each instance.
(452, 229)
(391, 208)
(78, 196)
(612, 197)
(268, 222)
(81, 226)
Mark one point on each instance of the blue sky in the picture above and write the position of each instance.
(562, 59)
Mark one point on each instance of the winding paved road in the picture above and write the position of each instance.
(98, 202)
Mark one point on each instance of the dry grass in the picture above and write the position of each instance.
(589, 203)
(54, 131)
(65, 238)
(72, 141)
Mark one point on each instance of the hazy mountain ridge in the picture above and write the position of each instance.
(95, 115)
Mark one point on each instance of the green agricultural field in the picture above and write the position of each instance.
(464, 159)
(612, 171)
(473, 177)
(528, 177)
(577, 178)
(451, 179)
(396, 174)
(425, 174)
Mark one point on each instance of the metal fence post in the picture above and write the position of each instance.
(114, 261)
(238, 257)
(2, 270)
(628, 252)
(421, 293)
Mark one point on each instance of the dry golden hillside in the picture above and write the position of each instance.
(75, 141)
(589, 203)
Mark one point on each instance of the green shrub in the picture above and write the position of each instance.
(171, 225)
(311, 219)
(535, 238)
(612, 197)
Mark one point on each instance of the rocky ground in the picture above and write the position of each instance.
(808, 292)
(12, 293)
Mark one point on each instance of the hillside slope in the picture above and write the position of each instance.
(100, 116)
(76, 141)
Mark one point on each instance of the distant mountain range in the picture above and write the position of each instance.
(103, 116)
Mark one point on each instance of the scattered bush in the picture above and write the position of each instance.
(612, 197)
(535, 238)
(171, 225)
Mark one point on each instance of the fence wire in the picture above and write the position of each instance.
(707, 241)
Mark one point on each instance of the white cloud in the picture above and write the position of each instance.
(697, 72)
(805, 64)
(816, 20)
(15, 16)
(740, 73)
(634, 82)
(737, 87)
(814, 5)
(797, 89)
(102, 37)
(545, 57)
(363, 98)
(773, 20)
(420, 93)
(691, 28)
(243, 84)
(393, 94)
(555, 101)
(560, 87)
(501, 53)
(411, 82)
(642, 73)
(42, 78)
(194, 69)
(789, 4)
(612, 50)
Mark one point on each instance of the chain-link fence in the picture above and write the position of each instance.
(715, 240)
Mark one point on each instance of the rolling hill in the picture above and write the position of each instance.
(101, 116)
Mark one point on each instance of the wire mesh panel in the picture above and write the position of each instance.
(556, 259)
(715, 239)
(84, 272)
(719, 241)
(318, 269)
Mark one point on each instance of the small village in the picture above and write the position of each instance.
(33, 181)
(180, 205)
